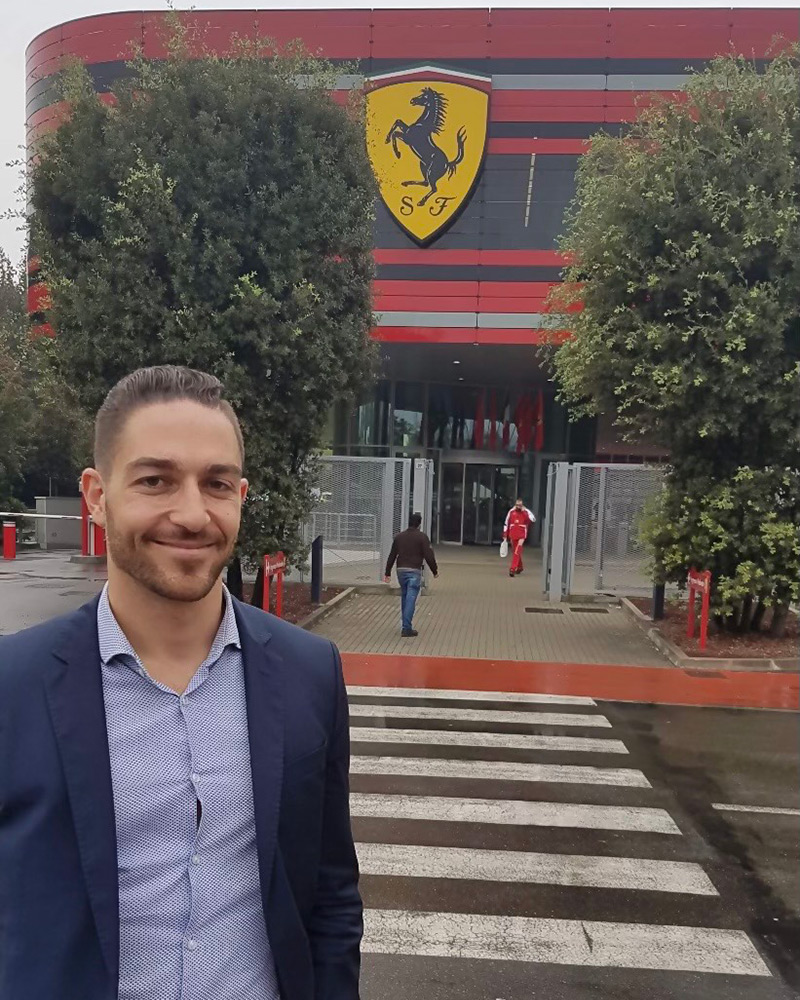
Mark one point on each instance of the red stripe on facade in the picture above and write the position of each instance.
(460, 335)
(516, 289)
(50, 118)
(584, 105)
(475, 303)
(427, 35)
(509, 258)
(753, 32)
(426, 303)
(548, 34)
(419, 35)
(388, 286)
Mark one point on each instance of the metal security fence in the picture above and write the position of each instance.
(361, 504)
(590, 534)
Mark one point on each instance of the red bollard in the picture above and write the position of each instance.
(84, 526)
(9, 540)
(99, 540)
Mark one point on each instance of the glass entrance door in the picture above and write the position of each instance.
(474, 502)
(477, 504)
(504, 495)
(452, 494)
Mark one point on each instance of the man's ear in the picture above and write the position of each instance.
(94, 493)
(244, 486)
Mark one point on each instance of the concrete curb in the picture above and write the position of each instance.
(89, 560)
(678, 658)
(325, 609)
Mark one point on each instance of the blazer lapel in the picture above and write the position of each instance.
(75, 697)
(264, 682)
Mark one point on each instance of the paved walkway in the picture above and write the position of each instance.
(476, 610)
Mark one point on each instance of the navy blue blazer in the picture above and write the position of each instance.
(59, 905)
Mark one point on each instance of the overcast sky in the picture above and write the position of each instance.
(23, 19)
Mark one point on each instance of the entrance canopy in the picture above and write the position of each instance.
(506, 366)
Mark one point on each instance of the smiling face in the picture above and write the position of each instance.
(171, 498)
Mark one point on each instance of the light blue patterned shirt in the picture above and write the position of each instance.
(191, 916)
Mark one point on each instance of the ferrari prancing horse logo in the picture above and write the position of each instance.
(426, 139)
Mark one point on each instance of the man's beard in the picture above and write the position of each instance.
(190, 585)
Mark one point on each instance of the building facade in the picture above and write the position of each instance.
(475, 123)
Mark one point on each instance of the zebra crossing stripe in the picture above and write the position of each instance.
(545, 869)
(459, 695)
(498, 770)
(512, 741)
(480, 715)
(440, 809)
(768, 810)
(663, 947)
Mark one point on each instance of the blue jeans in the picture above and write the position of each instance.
(410, 581)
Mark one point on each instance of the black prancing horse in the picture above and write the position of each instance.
(419, 138)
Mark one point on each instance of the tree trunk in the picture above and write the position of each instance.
(233, 578)
(747, 614)
(779, 618)
(257, 599)
(758, 617)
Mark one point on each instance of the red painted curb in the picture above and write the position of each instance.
(611, 682)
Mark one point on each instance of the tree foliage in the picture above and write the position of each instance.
(44, 434)
(684, 286)
(217, 213)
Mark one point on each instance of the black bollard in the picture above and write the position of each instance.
(658, 601)
(316, 570)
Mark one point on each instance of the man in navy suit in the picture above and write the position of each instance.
(174, 817)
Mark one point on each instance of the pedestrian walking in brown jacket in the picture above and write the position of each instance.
(410, 549)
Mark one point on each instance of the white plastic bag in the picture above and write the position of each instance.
(504, 548)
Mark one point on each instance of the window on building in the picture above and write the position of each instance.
(370, 422)
(409, 409)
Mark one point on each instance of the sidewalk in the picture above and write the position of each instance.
(40, 585)
(476, 610)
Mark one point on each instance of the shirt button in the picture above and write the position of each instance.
(195, 777)
(184, 700)
(191, 944)
(195, 859)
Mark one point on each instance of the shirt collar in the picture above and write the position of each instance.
(113, 642)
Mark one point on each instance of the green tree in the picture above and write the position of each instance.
(44, 434)
(15, 401)
(684, 285)
(217, 214)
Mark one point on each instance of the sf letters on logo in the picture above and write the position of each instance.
(439, 205)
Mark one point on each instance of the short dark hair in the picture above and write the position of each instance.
(415, 520)
(158, 384)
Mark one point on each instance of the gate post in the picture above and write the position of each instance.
(316, 570)
(559, 533)
(386, 528)
(601, 530)
(420, 500)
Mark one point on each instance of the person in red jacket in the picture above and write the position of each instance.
(518, 520)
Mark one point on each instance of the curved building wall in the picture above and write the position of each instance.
(555, 78)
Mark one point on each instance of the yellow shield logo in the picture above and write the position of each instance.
(426, 139)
